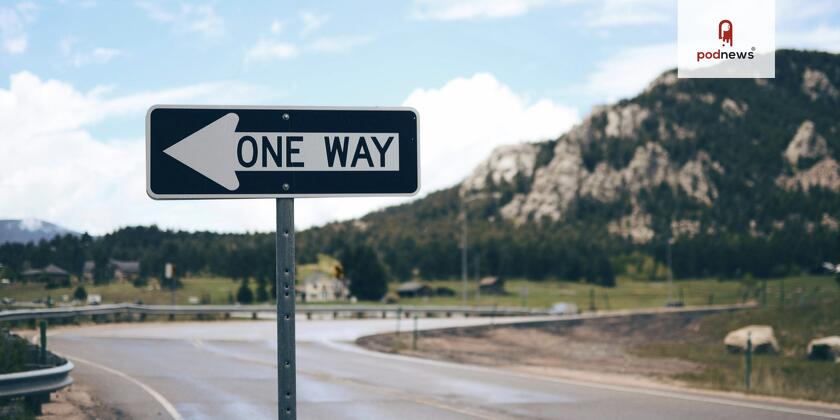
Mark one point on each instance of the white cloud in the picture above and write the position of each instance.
(472, 9)
(196, 18)
(267, 50)
(312, 22)
(461, 122)
(13, 22)
(55, 169)
(629, 71)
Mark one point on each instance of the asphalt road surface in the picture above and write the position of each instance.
(227, 370)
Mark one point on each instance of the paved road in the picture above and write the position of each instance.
(226, 370)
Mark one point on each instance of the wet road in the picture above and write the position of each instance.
(225, 370)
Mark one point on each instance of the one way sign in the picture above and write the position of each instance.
(258, 152)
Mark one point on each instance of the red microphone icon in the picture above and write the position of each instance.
(725, 32)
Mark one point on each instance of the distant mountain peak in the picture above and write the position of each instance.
(30, 230)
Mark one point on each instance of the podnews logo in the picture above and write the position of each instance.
(725, 34)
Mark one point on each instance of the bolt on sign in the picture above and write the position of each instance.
(195, 152)
(263, 152)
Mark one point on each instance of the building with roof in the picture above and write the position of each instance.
(492, 285)
(52, 275)
(124, 270)
(413, 288)
(321, 287)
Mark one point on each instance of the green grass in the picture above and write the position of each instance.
(217, 288)
(540, 294)
(633, 294)
(788, 374)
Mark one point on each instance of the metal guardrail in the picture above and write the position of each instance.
(35, 382)
(113, 309)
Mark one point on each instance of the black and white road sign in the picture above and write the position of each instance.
(260, 152)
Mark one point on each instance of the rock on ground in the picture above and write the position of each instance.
(825, 348)
(762, 337)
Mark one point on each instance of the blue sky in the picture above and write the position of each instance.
(77, 76)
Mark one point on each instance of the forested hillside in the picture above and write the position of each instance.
(741, 175)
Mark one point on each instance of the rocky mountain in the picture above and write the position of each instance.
(735, 164)
(29, 230)
(697, 138)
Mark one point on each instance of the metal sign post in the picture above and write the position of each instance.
(203, 152)
(285, 277)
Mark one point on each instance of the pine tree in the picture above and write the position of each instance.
(80, 294)
(244, 294)
(262, 293)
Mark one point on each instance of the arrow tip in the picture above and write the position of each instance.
(209, 151)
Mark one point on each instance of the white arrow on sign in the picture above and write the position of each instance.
(206, 151)
(217, 151)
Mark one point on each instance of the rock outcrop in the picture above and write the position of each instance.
(816, 84)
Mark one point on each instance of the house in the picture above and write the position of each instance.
(117, 269)
(124, 270)
(52, 275)
(413, 289)
(320, 287)
(492, 285)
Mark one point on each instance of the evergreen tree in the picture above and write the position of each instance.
(367, 275)
(80, 294)
(244, 294)
(262, 293)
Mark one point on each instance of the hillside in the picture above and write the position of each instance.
(741, 172)
(29, 230)
(740, 175)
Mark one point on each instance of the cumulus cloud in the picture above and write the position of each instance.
(461, 122)
(55, 169)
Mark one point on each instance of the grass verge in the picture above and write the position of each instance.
(787, 374)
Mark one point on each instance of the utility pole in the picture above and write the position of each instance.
(464, 253)
(477, 280)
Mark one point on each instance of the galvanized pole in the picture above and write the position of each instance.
(748, 361)
(42, 354)
(414, 335)
(285, 277)
(464, 254)
(477, 280)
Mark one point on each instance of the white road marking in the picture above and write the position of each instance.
(156, 395)
(620, 388)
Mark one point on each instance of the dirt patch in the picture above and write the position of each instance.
(600, 345)
(76, 403)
